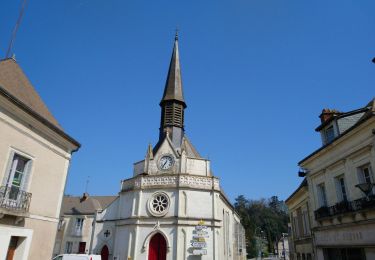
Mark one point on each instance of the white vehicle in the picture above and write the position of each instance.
(77, 257)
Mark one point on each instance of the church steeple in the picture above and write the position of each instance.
(173, 103)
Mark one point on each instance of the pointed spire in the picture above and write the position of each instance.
(173, 103)
(149, 157)
(173, 86)
(149, 153)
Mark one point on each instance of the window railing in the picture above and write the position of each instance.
(345, 207)
(14, 199)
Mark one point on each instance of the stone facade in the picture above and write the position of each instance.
(172, 198)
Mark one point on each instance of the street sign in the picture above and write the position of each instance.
(199, 244)
(200, 227)
(200, 236)
(199, 252)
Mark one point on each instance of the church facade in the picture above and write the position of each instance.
(173, 207)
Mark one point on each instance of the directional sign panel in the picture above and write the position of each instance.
(199, 244)
(200, 236)
(199, 252)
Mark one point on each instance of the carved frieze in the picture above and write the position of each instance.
(170, 181)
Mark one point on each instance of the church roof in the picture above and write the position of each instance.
(190, 149)
(173, 85)
(79, 206)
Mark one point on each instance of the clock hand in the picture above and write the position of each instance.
(165, 163)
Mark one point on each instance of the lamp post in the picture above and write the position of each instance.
(259, 245)
(283, 253)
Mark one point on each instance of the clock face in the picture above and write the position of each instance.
(166, 162)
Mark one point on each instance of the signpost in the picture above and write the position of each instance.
(199, 239)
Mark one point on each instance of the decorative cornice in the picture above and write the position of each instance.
(171, 181)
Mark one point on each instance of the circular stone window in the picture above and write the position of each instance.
(158, 204)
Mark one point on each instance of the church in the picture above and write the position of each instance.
(173, 207)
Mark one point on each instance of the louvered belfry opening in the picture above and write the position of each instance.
(172, 115)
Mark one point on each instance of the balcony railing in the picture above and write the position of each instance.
(14, 199)
(345, 207)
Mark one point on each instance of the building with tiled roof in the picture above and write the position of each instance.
(77, 222)
(35, 153)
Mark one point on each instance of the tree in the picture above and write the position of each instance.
(270, 216)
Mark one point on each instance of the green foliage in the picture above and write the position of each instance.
(262, 219)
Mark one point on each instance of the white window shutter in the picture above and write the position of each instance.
(8, 168)
(361, 178)
(320, 196)
(26, 176)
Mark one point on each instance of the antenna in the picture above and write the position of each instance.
(13, 38)
(87, 183)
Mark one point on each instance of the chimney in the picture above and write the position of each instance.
(84, 197)
(327, 114)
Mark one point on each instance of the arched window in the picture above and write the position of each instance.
(157, 249)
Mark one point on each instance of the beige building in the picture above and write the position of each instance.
(77, 222)
(340, 181)
(301, 246)
(35, 153)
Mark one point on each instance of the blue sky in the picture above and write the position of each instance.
(256, 76)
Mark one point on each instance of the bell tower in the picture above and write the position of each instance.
(173, 103)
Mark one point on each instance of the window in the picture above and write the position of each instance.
(69, 247)
(341, 190)
(366, 171)
(306, 223)
(329, 134)
(300, 224)
(158, 204)
(365, 174)
(322, 197)
(16, 179)
(295, 227)
(78, 227)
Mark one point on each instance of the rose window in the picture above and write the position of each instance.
(159, 204)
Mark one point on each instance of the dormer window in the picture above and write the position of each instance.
(329, 134)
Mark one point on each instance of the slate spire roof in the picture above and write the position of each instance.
(173, 86)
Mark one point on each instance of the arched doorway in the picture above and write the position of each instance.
(157, 249)
(104, 253)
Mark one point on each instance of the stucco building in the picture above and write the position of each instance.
(77, 222)
(340, 182)
(301, 242)
(173, 207)
(35, 153)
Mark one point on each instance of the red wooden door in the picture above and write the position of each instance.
(12, 248)
(157, 249)
(104, 253)
(10, 254)
(82, 247)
